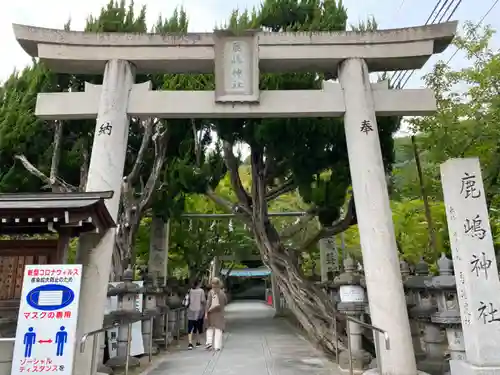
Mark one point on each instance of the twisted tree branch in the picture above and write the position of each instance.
(232, 166)
(286, 187)
(56, 152)
(197, 143)
(160, 141)
(57, 184)
(146, 138)
(293, 229)
(134, 205)
(339, 226)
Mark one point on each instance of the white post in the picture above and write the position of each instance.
(475, 266)
(376, 230)
(105, 173)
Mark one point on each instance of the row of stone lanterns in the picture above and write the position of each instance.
(159, 306)
(432, 307)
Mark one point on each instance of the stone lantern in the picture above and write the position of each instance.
(151, 311)
(112, 340)
(412, 299)
(448, 314)
(126, 314)
(421, 288)
(352, 302)
(174, 304)
(160, 331)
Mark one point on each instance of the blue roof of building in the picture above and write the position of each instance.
(247, 272)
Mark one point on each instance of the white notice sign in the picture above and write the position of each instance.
(48, 313)
(352, 293)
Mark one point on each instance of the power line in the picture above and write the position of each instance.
(397, 75)
(398, 10)
(440, 9)
(409, 73)
(476, 26)
(487, 13)
(452, 12)
(399, 7)
(435, 7)
(403, 80)
(403, 84)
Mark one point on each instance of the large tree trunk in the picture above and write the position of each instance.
(136, 201)
(427, 208)
(310, 305)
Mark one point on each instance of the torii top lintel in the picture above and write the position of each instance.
(383, 50)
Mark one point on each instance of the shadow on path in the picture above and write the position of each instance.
(255, 344)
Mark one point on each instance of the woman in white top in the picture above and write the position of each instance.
(195, 313)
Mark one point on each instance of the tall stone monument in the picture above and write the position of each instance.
(475, 266)
(158, 250)
(237, 61)
(329, 258)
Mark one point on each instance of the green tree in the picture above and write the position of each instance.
(197, 241)
(56, 154)
(286, 155)
(467, 120)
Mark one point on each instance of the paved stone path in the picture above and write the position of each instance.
(255, 344)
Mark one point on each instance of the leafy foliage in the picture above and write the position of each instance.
(465, 125)
(301, 149)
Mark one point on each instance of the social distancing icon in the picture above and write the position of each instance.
(61, 340)
(29, 341)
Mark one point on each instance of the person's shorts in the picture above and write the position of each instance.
(195, 326)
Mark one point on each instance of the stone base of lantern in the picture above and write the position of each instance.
(155, 350)
(466, 368)
(102, 369)
(375, 371)
(119, 362)
(433, 366)
(360, 361)
(170, 338)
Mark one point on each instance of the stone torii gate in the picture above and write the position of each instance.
(237, 61)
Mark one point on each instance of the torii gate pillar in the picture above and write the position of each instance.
(376, 230)
(105, 173)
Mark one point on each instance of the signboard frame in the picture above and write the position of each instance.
(47, 321)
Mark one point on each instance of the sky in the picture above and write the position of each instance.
(205, 14)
